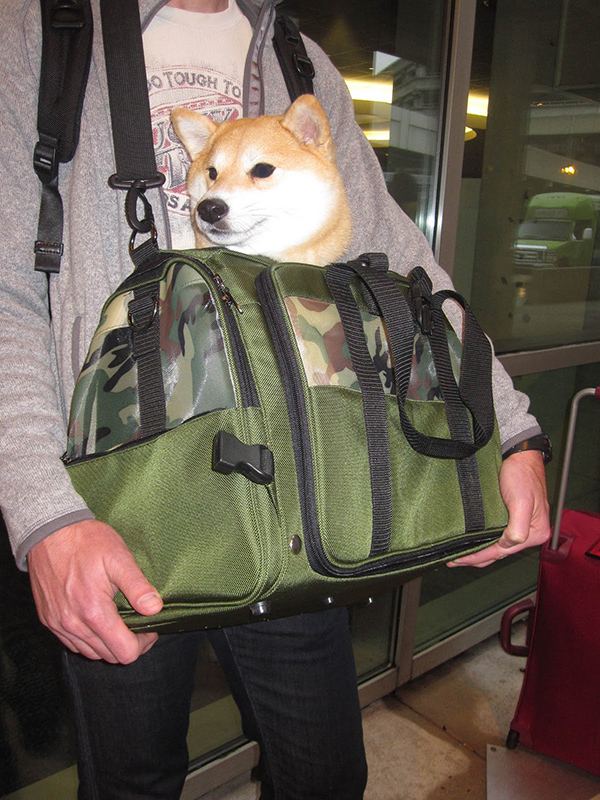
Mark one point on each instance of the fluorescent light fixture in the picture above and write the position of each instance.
(374, 91)
(377, 135)
(477, 104)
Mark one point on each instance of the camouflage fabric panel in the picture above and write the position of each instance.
(196, 374)
(324, 352)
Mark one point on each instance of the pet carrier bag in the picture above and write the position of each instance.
(273, 438)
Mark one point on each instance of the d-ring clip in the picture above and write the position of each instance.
(153, 236)
(143, 308)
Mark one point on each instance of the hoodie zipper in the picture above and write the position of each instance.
(296, 404)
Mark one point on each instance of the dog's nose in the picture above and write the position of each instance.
(212, 210)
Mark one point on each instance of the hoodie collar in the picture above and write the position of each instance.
(251, 8)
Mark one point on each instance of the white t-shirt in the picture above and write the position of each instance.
(194, 60)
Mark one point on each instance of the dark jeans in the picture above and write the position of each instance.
(294, 681)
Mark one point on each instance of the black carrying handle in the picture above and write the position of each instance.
(473, 392)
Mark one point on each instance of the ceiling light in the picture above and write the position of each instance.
(477, 104)
(374, 91)
(378, 135)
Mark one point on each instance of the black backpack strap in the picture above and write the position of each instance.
(67, 29)
(135, 159)
(297, 68)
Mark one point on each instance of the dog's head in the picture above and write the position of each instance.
(267, 186)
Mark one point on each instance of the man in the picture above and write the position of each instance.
(293, 679)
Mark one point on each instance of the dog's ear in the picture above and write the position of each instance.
(193, 129)
(306, 120)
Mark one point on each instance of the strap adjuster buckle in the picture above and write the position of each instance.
(67, 14)
(304, 66)
(45, 159)
(422, 308)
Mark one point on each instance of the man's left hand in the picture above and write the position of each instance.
(523, 489)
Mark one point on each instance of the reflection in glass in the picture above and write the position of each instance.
(453, 599)
(528, 248)
(390, 55)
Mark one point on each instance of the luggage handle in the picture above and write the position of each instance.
(562, 492)
(517, 610)
(474, 389)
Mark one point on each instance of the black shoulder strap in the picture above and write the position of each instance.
(297, 68)
(129, 107)
(128, 96)
(67, 29)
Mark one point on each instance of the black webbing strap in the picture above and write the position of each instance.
(294, 62)
(67, 29)
(128, 95)
(144, 321)
(475, 384)
(400, 320)
(394, 310)
(457, 415)
(374, 407)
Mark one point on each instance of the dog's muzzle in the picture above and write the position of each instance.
(212, 211)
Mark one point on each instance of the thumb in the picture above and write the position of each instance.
(517, 530)
(139, 592)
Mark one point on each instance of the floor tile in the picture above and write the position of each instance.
(522, 775)
(473, 696)
(412, 759)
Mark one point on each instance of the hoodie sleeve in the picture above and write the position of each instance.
(36, 494)
(379, 224)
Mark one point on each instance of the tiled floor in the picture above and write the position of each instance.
(442, 738)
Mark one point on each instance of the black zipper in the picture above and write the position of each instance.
(248, 390)
(67, 460)
(296, 405)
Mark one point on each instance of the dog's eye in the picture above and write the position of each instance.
(262, 170)
(212, 173)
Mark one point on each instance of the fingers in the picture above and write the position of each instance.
(523, 488)
(75, 574)
(489, 555)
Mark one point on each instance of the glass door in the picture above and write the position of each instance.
(528, 248)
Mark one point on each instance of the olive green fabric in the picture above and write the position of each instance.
(220, 548)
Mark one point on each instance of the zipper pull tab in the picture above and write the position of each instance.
(226, 295)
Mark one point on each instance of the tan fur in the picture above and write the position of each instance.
(304, 193)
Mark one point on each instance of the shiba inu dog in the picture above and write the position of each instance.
(267, 186)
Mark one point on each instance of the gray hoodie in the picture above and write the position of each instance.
(41, 361)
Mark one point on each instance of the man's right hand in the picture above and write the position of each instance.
(75, 573)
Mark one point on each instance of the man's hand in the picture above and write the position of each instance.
(75, 573)
(523, 489)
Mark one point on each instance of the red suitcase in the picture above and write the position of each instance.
(558, 712)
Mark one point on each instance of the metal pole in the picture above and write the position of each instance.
(567, 462)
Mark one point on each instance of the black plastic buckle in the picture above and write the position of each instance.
(115, 182)
(67, 14)
(45, 158)
(253, 461)
(422, 306)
